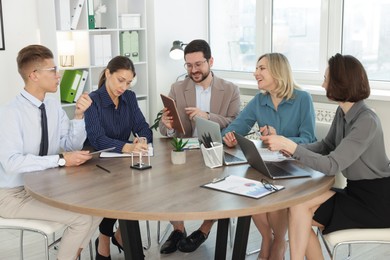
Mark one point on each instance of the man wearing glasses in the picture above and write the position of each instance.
(201, 94)
(34, 129)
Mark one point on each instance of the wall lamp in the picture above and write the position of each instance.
(176, 52)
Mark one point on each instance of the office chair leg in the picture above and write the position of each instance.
(160, 239)
(21, 244)
(90, 250)
(148, 235)
(231, 229)
(253, 252)
(349, 251)
(46, 247)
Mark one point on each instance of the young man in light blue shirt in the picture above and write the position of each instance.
(21, 137)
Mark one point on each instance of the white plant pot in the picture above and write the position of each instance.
(178, 157)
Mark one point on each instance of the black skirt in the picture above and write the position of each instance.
(362, 204)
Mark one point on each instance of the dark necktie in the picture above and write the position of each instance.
(45, 136)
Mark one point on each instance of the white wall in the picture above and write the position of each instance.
(171, 20)
(20, 29)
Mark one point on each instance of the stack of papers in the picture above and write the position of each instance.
(242, 186)
(193, 143)
(271, 156)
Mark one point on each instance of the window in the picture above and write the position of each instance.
(308, 32)
(295, 32)
(232, 33)
(366, 35)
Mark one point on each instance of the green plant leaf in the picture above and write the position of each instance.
(178, 144)
(157, 120)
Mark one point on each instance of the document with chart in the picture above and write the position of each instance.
(243, 186)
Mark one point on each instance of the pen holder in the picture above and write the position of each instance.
(140, 165)
(213, 156)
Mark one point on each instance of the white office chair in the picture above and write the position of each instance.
(349, 237)
(334, 240)
(45, 228)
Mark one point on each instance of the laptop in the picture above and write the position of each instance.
(274, 170)
(206, 127)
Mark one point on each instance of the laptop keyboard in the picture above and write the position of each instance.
(277, 171)
(231, 158)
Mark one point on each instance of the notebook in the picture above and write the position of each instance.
(274, 170)
(206, 127)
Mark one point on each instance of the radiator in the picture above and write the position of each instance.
(324, 112)
(324, 117)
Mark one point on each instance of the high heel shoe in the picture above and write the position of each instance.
(115, 242)
(99, 256)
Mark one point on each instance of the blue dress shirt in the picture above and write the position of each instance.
(110, 127)
(294, 118)
(20, 137)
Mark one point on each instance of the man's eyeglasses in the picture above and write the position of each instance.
(53, 69)
(269, 186)
(196, 65)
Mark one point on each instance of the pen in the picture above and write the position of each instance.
(253, 132)
(141, 140)
(268, 132)
(215, 180)
(210, 140)
(101, 167)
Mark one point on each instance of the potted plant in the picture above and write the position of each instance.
(178, 154)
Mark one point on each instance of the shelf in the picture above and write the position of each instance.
(84, 39)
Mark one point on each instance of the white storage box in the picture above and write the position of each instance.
(129, 21)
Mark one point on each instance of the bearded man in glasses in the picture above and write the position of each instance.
(200, 94)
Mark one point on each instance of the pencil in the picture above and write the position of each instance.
(101, 167)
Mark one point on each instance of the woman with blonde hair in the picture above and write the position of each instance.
(281, 108)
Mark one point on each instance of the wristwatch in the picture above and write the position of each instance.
(61, 160)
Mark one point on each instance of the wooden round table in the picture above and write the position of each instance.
(165, 192)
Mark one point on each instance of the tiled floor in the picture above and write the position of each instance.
(9, 247)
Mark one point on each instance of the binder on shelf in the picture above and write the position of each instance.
(69, 84)
(63, 15)
(81, 86)
(76, 14)
(129, 45)
(107, 54)
(91, 16)
(101, 49)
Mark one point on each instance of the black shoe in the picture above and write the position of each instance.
(99, 256)
(192, 242)
(170, 245)
(115, 242)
